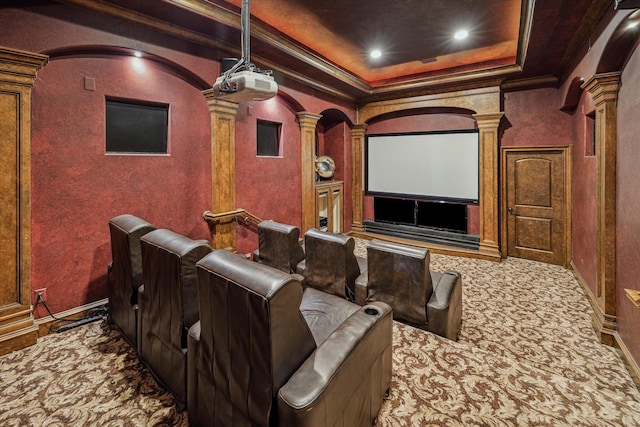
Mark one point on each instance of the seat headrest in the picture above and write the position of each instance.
(276, 226)
(129, 223)
(257, 278)
(396, 248)
(329, 237)
(174, 242)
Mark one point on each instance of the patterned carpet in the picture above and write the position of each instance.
(527, 356)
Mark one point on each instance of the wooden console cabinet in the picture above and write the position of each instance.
(329, 206)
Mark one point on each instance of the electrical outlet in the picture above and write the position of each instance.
(36, 292)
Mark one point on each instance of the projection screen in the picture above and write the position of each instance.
(433, 165)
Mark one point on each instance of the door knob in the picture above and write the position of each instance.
(510, 210)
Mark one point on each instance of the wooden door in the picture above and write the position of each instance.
(536, 204)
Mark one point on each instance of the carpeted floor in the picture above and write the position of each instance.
(527, 356)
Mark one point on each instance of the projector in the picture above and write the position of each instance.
(245, 86)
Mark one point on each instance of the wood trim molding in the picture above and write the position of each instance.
(223, 167)
(480, 101)
(17, 76)
(308, 122)
(489, 124)
(44, 323)
(604, 91)
(484, 105)
(357, 183)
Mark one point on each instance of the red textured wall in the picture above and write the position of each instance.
(337, 145)
(268, 187)
(271, 187)
(628, 206)
(77, 188)
(583, 195)
(424, 123)
(534, 119)
(50, 27)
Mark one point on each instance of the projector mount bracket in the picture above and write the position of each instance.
(244, 63)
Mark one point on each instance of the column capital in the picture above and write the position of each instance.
(307, 119)
(220, 106)
(359, 130)
(488, 120)
(20, 67)
(603, 87)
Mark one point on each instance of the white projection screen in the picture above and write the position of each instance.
(433, 165)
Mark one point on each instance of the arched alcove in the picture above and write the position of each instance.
(333, 139)
(483, 104)
(166, 64)
(573, 94)
(620, 45)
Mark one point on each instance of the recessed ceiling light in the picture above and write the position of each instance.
(461, 34)
(376, 53)
(137, 54)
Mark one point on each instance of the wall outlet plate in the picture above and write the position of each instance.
(42, 291)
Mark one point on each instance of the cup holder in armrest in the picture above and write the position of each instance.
(372, 311)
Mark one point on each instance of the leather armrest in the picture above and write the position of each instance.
(300, 268)
(444, 309)
(356, 352)
(193, 344)
(362, 283)
(362, 264)
(109, 283)
(194, 334)
(141, 314)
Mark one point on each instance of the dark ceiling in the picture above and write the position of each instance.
(327, 43)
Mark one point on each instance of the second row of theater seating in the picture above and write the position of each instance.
(396, 274)
(161, 274)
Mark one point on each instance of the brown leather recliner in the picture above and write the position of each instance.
(400, 276)
(168, 304)
(267, 352)
(330, 264)
(124, 275)
(279, 246)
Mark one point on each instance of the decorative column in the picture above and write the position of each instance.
(488, 125)
(604, 91)
(357, 190)
(308, 122)
(223, 168)
(17, 75)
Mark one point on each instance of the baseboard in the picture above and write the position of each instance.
(629, 361)
(44, 323)
(18, 340)
(585, 288)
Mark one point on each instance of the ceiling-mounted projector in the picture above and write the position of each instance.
(243, 82)
(245, 86)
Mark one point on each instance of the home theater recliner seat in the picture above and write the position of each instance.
(279, 246)
(330, 264)
(267, 352)
(168, 305)
(400, 276)
(124, 275)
